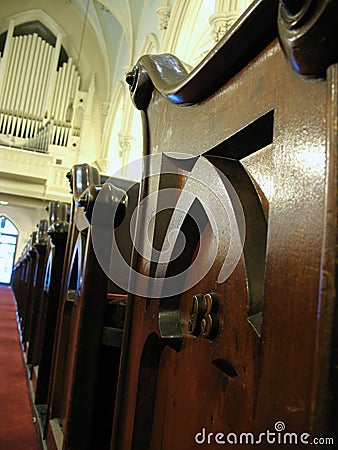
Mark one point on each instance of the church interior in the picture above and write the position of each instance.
(168, 224)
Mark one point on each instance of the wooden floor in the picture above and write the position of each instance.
(17, 422)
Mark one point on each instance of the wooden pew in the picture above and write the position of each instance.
(17, 277)
(28, 291)
(250, 345)
(41, 249)
(111, 322)
(48, 307)
(21, 292)
(80, 177)
(90, 328)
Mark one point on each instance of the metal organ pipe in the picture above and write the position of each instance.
(67, 84)
(50, 87)
(9, 81)
(34, 94)
(9, 102)
(57, 89)
(78, 116)
(19, 83)
(45, 75)
(16, 119)
(9, 92)
(5, 60)
(62, 89)
(33, 90)
(66, 100)
(62, 113)
(35, 87)
(8, 85)
(62, 74)
(27, 89)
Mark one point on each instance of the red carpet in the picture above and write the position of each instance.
(17, 429)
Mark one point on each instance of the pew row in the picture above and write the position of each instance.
(90, 317)
(235, 333)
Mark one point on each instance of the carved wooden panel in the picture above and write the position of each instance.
(248, 352)
(91, 321)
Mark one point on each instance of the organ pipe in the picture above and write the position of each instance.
(34, 91)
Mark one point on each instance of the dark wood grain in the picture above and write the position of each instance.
(307, 31)
(243, 380)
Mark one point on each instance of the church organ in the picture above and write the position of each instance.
(227, 328)
(48, 111)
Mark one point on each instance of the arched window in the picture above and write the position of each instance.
(8, 240)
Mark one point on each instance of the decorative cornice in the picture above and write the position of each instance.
(222, 22)
(103, 164)
(125, 140)
(105, 108)
(163, 16)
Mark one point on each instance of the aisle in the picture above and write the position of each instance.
(17, 429)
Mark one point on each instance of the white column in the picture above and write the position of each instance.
(52, 77)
